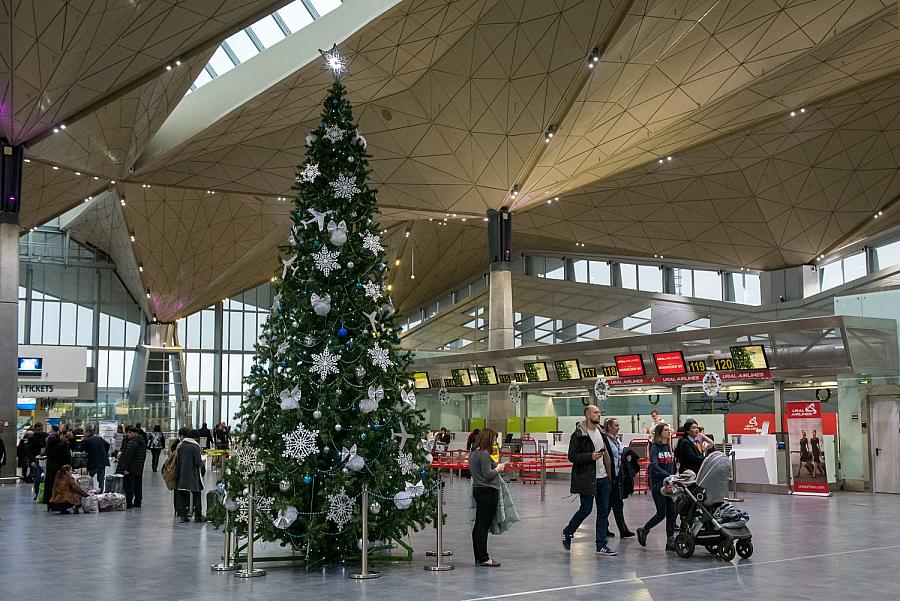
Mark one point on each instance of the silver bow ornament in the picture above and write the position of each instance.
(409, 398)
(321, 304)
(290, 399)
(338, 232)
(370, 403)
(415, 490)
(354, 461)
(286, 517)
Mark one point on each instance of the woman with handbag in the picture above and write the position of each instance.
(486, 491)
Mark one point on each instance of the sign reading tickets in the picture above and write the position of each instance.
(804, 422)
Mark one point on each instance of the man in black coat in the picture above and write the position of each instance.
(191, 469)
(97, 454)
(205, 432)
(37, 442)
(132, 467)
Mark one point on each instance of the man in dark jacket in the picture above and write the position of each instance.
(97, 455)
(591, 467)
(132, 467)
(615, 448)
(37, 442)
(205, 432)
(141, 433)
(191, 469)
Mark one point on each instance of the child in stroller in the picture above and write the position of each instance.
(706, 518)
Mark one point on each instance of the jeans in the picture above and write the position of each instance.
(587, 502)
(154, 463)
(616, 505)
(486, 501)
(184, 498)
(133, 485)
(665, 509)
(100, 474)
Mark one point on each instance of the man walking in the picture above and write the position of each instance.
(97, 451)
(616, 496)
(191, 469)
(132, 467)
(591, 467)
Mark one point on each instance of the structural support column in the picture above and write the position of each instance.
(778, 406)
(676, 406)
(501, 329)
(10, 198)
(467, 410)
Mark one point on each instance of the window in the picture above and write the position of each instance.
(325, 6)
(220, 63)
(684, 281)
(830, 276)
(598, 272)
(556, 269)
(751, 286)
(581, 271)
(707, 284)
(888, 255)
(636, 322)
(295, 16)
(629, 275)
(854, 266)
(268, 31)
(650, 278)
(242, 46)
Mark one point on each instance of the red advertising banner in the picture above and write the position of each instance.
(726, 376)
(630, 365)
(749, 423)
(804, 422)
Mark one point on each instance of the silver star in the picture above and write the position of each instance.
(335, 62)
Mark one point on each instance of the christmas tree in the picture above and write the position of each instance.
(329, 405)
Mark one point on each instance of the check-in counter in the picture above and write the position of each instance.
(755, 455)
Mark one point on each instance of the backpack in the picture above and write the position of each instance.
(170, 470)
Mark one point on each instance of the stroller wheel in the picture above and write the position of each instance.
(712, 549)
(701, 496)
(726, 552)
(745, 548)
(684, 545)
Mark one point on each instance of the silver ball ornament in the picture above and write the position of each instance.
(360, 371)
(375, 507)
(345, 470)
(317, 414)
(245, 492)
(253, 437)
(260, 466)
(284, 486)
(350, 159)
(337, 427)
(295, 324)
(350, 264)
(309, 341)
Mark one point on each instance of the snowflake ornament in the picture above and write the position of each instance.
(380, 357)
(373, 291)
(372, 243)
(325, 363)
(309, 173)
(260, 504)
(406, 463)
(300, 443)
(333, 133)
(246, 459)
(326, 261)
(340, 508)
(344, 186)
(282, 348)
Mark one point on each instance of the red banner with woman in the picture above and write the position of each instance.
(804, 422)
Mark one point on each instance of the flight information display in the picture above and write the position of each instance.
(487, 375)
(670, 363)
(536, 372)
(567, 370)
(461, 377)
(629, 365)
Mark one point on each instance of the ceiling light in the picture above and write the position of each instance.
(78, 173)
(148, 293)
(514, 191)
(793, 113)
(431, 219)
(273, 278)
(390, 287)
(407, 233)
(27, 160)
(668, 158)
(168, 67)
(397, 262)
(95, 177)
(141, 268)
(177, 63)
(548, 135)
(412, 276)
(55, 168)
(660, 161)
(463, 218)
(122, 201)
(132, 236)
(56, 130)
(454, 215)
(154, 319)
(802, 110)
(112, 181)
(62, 125)
(484, 218)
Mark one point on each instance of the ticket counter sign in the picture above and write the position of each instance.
(804, 421)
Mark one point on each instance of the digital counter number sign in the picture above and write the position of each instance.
(610, 371)
(630, 365)
(670, 364)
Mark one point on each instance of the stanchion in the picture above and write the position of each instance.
(734, 498)
(226, 565)
(365, 574)
(543, 473)
(250, 571)
(444, 552)
(439, 565)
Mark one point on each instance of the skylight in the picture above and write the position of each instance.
(263, 34)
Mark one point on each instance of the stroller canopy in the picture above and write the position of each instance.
(713, 477)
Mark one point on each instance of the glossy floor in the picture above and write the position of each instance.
(845, 547)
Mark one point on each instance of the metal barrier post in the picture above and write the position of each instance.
(364, 573)
(543, 473)
(443, 552)
(226, 565)
(734, 498)
(250, 571)
(439, 565)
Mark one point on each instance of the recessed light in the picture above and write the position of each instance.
(55, 168)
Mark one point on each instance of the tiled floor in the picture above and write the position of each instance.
(845, 547)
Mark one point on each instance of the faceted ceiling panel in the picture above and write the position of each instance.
(63, 56)
(49, 192)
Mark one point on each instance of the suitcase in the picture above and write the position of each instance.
(114, 483)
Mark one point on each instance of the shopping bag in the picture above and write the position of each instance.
(114, 484)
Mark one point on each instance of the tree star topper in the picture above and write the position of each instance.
(335, 62)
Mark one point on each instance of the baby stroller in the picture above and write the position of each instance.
(706, 518)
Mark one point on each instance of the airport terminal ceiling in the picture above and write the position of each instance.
(744, 133)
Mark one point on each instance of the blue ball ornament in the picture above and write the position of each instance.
(342, 332)
(307, 479)
(362, 436)
(376, 426)
(423, 473)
